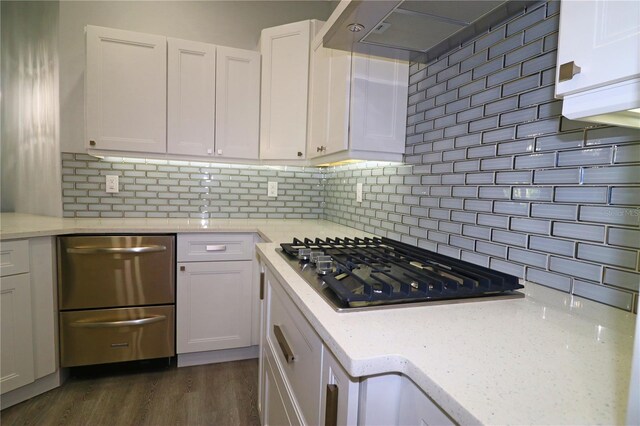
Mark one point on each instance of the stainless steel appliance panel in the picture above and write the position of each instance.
(115, 335)
(112, 271)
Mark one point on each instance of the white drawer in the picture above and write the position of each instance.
(300, 341)
(279, 408)
(214, 246)
(14, 257)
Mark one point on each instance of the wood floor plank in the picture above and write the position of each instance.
(214, 394)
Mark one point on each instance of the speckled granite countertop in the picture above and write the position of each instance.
(548, 358)
(16, 225)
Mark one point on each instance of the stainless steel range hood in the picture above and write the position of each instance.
(416, 30)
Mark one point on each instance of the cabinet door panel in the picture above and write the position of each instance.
(16, 368)
(318, 100)
(237, 103)
(338, 91)
(378, 104)
(285, 78)
(347, 392)
(602, 37)
(191, 97)
(213, 306)
(126, 90)
(329, 101)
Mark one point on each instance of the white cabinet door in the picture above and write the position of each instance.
(285, 79)
(191, 83)
(378, 104)
(126, 90)
(16, 338)
(330, 83)
(339, 393)
(602, 37)
(237, 103)
(213, 303)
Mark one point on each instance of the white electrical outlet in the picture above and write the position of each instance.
(272, 189)
(112, 184)
(359, 192)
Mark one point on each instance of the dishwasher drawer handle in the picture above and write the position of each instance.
(110, 324)
(284, 345)
(115, 250)
(220, 247)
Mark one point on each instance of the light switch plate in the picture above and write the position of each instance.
(272, 189)
(112, 184)
(359, 192)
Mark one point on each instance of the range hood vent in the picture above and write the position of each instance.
(414, 30)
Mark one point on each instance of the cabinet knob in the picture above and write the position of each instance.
(182, 269)
(92, 143)
(568, 70)
(209, 151)
(321, 149)
(299, 154)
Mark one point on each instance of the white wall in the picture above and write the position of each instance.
(228, 23)
(31, 169)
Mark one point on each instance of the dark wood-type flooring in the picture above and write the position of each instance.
(215, 394)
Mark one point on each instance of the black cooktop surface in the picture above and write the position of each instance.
(382, 271)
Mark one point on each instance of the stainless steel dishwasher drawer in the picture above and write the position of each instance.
(114, 335)
(115, 271)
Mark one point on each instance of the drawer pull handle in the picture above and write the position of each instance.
(115, 250)
(261, 285)
(331, 408)
(567, 71)
(220, 247)
(284, 346)
(110, 324)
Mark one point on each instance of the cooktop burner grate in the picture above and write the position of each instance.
(374, 271)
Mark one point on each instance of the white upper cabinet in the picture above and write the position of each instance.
(149, 94)
(237, 103)
(191, 85)
(126, 90)
(213, 100)
(330, 87)
(379, 90)
(285, 80)
(357, 106)
(598, 66)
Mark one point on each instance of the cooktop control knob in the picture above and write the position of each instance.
(324, 265)
(304, 253)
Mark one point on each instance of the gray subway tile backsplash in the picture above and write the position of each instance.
(494, 175)
(603, 294)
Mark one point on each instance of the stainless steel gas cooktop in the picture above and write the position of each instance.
(354, 274)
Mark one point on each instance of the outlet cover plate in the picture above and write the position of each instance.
(272, 189)
(111, 184)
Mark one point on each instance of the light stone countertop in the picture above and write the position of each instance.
(17, 225)
(549, 358)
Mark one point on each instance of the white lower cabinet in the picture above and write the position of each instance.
(302, 382)
(339, 393)
(214, 306)
(28, 335)
(216, 297)
(16, 339)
